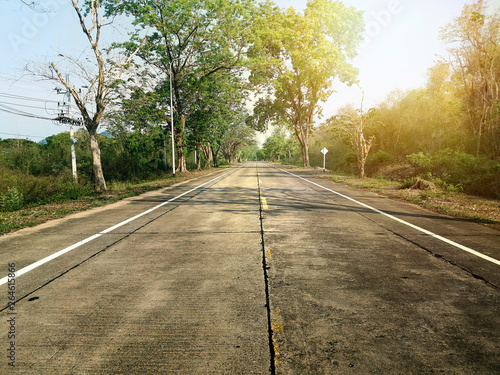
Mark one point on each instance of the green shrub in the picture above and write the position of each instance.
(375, 162)
(12, 200)
(420, 160)
(380, 176)
(380, 157)
(457, 171)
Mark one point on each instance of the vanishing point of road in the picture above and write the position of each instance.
(252, 270)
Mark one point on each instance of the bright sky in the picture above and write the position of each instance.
(402, 43)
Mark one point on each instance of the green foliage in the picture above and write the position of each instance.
(191, 42)
(378, 159)
(12, 200)
(260, 155)
(457, 171)
(42, 189)
(22, 154)
(296, 58)
(280, 146)
(420, 160)
(408, 182)
(135, 155)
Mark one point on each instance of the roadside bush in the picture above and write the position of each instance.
(420, 160)
(375, 161)
(12, 200)
(42, 189)
(458, 171)
(380, 157)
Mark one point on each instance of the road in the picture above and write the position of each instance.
(252, 270)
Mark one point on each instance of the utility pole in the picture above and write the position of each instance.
(64, 116)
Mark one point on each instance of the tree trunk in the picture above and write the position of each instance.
(214, 157)
(198, 158)
(305, 153)
(361, 166)
(181, 157)
(207, 153)
(363, 148)
(100, 183)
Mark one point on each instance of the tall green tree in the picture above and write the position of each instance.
(237, 135)
(189, 40)
(296, 58)
(221, 112)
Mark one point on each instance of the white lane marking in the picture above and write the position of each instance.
(437, 236)
(97, 235)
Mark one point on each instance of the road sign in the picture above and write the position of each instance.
(324, 151)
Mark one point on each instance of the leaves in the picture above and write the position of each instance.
(189, 41)
(298, 56)
(474, 45)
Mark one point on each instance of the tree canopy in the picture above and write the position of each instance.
(296, 58)
(187, 41)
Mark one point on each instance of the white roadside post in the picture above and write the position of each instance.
(324, 151)
(172, 119)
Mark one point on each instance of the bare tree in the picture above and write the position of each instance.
(101, 77)
(350, 124)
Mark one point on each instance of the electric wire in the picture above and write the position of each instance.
(22, 97)
(18, 112)
(24, 135)
(24, 105)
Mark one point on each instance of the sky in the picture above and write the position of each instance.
(401, 43)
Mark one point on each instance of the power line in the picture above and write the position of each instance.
(18, 112)
(23, 135)
(21, 97)
(27, 106)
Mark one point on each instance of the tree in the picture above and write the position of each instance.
(101, 79)
(138, 111)
(474, 46)
(296, 57)
(350, 123)
(189, 41)
(218, 122)
(238, 134)
(427, 119)
(279, 145)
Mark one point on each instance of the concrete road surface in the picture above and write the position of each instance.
(252, 270)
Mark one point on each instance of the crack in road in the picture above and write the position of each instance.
(272, 366)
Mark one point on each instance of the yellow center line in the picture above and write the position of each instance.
(264, 204)
(263, 200)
